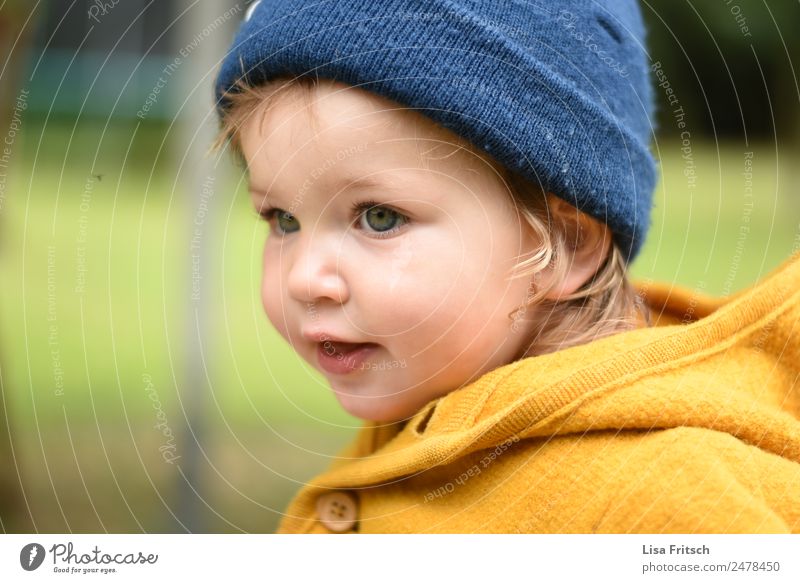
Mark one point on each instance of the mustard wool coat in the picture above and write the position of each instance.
(690, 426)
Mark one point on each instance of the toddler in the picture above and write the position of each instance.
(454, 189)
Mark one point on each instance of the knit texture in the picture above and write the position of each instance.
(556, 92)
(692, 426)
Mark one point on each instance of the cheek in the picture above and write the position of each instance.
(271, 298)
(465, 285)
(419, 279)
(430, 283)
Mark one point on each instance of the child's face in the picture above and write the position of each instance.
(422, 280)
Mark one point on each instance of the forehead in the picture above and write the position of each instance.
(352, 130)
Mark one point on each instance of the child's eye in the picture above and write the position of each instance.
(380, 219)
(286, 221)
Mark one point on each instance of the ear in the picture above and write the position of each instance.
(588, 243)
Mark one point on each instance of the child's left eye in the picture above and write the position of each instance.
(380, 219)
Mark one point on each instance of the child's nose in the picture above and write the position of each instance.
(315, 271)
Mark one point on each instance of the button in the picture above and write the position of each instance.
(250, 10)
(338, 511)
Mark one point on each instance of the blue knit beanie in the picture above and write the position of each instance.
(558, 92)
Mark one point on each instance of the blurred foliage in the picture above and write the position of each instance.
(733, 64)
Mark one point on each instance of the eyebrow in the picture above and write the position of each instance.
(344, 184)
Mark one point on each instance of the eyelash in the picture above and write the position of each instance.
(357, 209)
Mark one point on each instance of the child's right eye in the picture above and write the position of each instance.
(286, 222)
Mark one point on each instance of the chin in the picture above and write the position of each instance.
(372, 408)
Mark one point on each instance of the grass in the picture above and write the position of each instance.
(90, 448)
(718, 235)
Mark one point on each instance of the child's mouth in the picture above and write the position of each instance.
(343, 357)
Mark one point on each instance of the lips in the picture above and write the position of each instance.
(344, 357)
(343, 348)
(325, 337)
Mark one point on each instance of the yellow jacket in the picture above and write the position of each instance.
(692, 426)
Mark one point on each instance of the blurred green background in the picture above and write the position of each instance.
(133, 402)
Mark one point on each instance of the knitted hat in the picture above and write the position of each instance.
(557, 92)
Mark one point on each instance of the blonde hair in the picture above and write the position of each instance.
(606, 304)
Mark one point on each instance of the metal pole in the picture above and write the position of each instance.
(205, 31)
